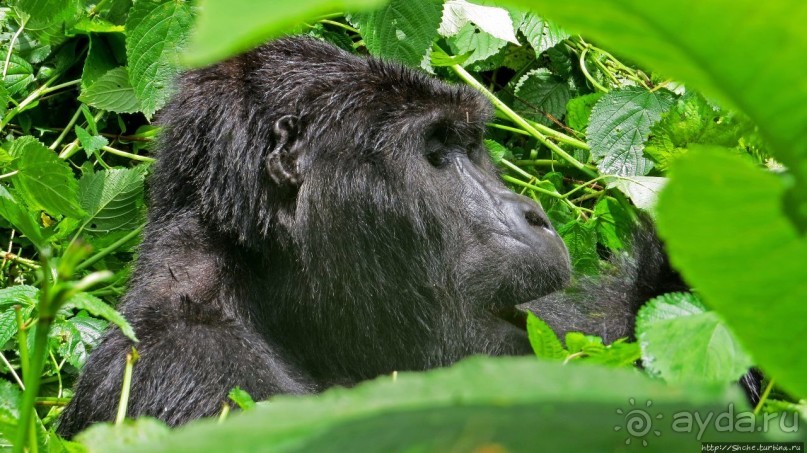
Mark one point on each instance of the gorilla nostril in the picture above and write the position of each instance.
(536, 219)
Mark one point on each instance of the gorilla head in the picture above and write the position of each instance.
(338, 217)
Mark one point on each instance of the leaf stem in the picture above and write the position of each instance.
(764, 396)
(109, 249)
(131, 358)
(118, 152)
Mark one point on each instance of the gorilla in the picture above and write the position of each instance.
(318, 219)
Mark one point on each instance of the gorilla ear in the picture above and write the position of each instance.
(282, 161)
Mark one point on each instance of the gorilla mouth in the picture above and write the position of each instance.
(512, 315)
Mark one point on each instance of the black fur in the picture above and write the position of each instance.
(318, 218)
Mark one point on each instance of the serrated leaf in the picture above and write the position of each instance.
(112, 198)
(402, 30)
(477, 44)
(643, 191)
(540, 95)
(706, 350)
(492, 20)
(620, 123)
(10, 399)
(112, 92)
(545, 343)
(19, 74)
(90, 143)
(44, 181)
(5, 98)
(581, 240)
(47, 18)
(100, 309)
(541, 34)
(156, 31)
(578, 110)
(722, 219)
(618, 354)
(15, 214)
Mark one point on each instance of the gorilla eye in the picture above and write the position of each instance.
(437, 158)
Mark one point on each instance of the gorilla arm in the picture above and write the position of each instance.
(606, 305)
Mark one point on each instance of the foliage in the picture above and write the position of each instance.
(590, 135)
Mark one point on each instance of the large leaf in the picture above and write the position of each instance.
(619, 125)
(581, 240)
(227, 27)
(541, 34)
(45, 181)
(112, 198)
(506, 404)
(403, 30)
(746, 52)
(540, 96)
(704, 349)
(112, 91)
(723, 222)
(156, 31)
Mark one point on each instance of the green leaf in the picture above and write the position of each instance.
(227, 27)
(241, 398)
(48, 18)
(578, 110)
(497, 151)
(10, 399)
(543, 340)
(694, 121)
(619, 125)
(511, 404)
(45, 181)
(15, 213)
(110, 437)
(77, 336)
(19, 75)
(540, 95)
(403, 30)
(101, 59)
(100, 309)
(492, 20)
(581, 240)
(23, 295)
(112, 198)
(613, 224)
(617, 354)
(688, 40)
(541, 34)
(643, 191)
(112, 92)
(475, 43)
(91, 143)
(725, 230)
(706, 350)
(156, 31)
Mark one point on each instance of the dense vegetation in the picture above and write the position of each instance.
(593, 126)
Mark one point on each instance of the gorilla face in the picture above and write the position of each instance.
(400, 226)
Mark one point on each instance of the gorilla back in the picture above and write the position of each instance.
(317, 218)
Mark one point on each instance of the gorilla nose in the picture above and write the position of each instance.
(537, 219)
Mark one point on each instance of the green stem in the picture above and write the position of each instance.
(508, 128)
(516, 118)
(18, 259)
(26, 421)
(131, 358)
(764, 396)
(538, 162)
(521, 183)
(11, 47)
(586, 74)
(9, 174)
(118, 152)
(66, 129)
(338, 24)
(109, 249)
